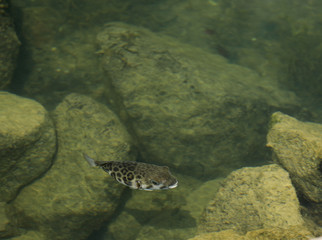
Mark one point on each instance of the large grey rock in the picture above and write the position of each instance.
(253, 198)
(9, 45)
(27, 143)
(298, 148)
(72, 198)
(189, 108)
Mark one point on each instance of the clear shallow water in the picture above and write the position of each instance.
(278, 40)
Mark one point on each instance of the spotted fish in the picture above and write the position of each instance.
(137, 175)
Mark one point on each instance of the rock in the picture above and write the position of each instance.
(189, 109)
(198, 199)
(222, 235)
(9, 46)
(277, 233)
(171, 214)
(164, 233)
(296, 232)
(30, 235)
(5, 230)
(27, 143)
(297, 148)
(253, 198)
(72, 198)
(60, 68)
(116, 229)
(56, 65)
(40, 25)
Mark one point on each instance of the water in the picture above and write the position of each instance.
(186, 84)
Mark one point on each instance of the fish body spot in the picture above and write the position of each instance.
(138, 175)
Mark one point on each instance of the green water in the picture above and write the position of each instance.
(189, 84)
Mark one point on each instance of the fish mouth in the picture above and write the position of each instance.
(174, 185)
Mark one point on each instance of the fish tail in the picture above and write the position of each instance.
(90, 161)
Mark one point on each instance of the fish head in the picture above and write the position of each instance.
(159, 179)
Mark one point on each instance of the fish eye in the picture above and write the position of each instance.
(154, 182)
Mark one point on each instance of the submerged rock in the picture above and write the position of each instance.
(278, 233)
(222, 235)
(253, 198)
(297, 148)
(72, 198)
(27, 143)
(9, 46)
(298, 233)
(30, 235)
(163, 215)
(189, 108)
(6, 229)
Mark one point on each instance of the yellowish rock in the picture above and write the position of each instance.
(253, 198)
(297, 147)
(72, 198)
(291, 233)
(222, 235)
(27, 143)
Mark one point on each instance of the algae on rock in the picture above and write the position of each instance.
(27, 143)
(297, 147)
(9, 46)
(251, 199)
(72, 199)
(189, 109)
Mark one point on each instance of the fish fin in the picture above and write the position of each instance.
(90, 161)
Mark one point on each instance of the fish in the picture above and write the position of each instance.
(137, 175)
